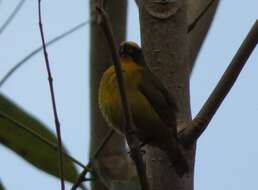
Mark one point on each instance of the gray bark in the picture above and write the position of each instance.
(164, 42)
(170, 53)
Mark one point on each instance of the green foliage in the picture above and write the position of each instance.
(27, 145)
(1, 186)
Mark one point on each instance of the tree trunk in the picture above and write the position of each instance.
(163, 31)
(165, 44)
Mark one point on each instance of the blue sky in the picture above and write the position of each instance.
(226, 153)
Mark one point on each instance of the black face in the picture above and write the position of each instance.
(130, 49)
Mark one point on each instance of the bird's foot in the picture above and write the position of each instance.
(142, 151)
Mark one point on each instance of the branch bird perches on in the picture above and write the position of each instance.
(193, 130)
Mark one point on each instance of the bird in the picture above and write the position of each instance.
(152, 107)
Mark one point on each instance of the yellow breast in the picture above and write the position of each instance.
(109, 97)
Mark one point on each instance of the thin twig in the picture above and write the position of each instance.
(90, 179)
(195, 128)
(40, 138)
(128, 128)
(82, 175)
(102, 144)
(198, 18)
(50, 79)
(11, 17)
(37, 50)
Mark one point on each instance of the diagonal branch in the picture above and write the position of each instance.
(198, 18)
(50, 79)
(129, 127)
(195, 128)
(11, 17)
(82, 175)
(37, 50)
(204, 10)
(40, 138)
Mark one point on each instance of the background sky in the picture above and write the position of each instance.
(227, 152)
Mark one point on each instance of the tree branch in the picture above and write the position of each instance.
(198, 34)
(50, 79)
(37, 50)
(11, 17)
(129, 127)
(82, 175)
(198, 18)
(195, 128)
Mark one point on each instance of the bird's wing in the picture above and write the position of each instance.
(158, 96)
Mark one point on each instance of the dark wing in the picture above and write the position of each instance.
(158, 96)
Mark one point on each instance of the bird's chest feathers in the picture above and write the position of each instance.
(110, 96)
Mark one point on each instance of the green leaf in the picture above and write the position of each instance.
(1, 186)
(27, 145)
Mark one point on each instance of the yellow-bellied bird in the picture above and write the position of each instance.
(153, 109)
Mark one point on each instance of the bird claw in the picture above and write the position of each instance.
(143, 151)
(140, 148)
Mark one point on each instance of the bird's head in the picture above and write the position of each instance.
(130, 49)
